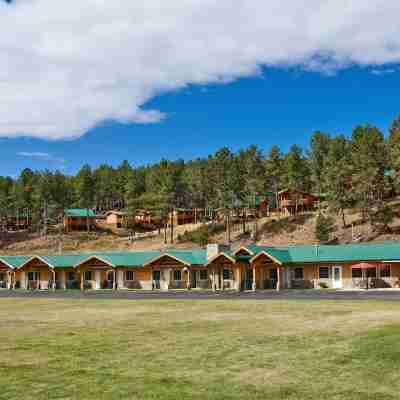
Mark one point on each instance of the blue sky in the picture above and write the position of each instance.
(281, 106)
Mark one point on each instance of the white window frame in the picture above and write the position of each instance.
(319, 272)
(294, 274)
(173, 275)
(380, 270)
(126, 276)
(203, 270)
(36, 275)
(91, 275)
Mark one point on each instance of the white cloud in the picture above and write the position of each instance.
(41, 156)
(66, 66)
(384, 71)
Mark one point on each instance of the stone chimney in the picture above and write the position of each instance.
(215, 248)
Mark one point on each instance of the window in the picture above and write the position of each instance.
(323, 272)
(177, 275)
(273, 274)
(33, 276)
(356, 273)
(385, 271)
(203, 275)
(88, 275)
(129, 276)
(371, 272)
(298, 273)
(71, 276)
(227, 274)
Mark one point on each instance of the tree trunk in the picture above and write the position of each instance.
(172, 227)
(343, 218)
(87, 220)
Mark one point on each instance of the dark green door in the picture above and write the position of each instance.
(248, 279)
(156, 279)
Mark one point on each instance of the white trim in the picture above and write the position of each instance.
(251, 253)
(33, 258)
(220, 255)
(265, 254)
(165, 255)
(7, 264)
(91, 258)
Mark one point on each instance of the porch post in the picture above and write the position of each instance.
(114, 278)
(238, 278)
(214, 287)
(13, 279)
(54, 280)
(221, 273)
(188, 279)
(8, 280)
(23, 280)
(82, 273)
(278, 282)
(254, 285)
(63, 284)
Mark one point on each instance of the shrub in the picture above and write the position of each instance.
(323, 285)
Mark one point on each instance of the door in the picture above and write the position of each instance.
(3, 282)
(156, 279)
(248, 279)
(273, 278)
(110, 279)
(337, 277)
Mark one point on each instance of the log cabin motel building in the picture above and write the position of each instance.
(214, 268)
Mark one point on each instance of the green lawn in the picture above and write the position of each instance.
(116, 349)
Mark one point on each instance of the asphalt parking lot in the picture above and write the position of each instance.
(386, 294)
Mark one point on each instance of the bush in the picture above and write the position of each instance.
(202, 235)
(323, 285)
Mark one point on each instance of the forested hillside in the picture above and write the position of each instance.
(353, 172)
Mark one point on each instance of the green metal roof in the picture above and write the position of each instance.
(286, 255)
(79, 212)
(14, 261)
(334, 253)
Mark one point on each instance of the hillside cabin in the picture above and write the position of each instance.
(147, 219)
(118, 219)
(77, 219)
(16, 222)
(294, 201)
(181, 216)
(216, 267)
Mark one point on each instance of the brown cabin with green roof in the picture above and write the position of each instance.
(356, 266)
(78, 219)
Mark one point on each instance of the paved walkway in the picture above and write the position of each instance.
(196, 295)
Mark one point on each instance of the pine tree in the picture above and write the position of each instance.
(337, 176)
(369, 164)
(86, 191)
(319, 147)
(323, 228)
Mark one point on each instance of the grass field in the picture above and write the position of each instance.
(113, 349)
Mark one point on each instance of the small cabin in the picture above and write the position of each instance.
(146, 219)
(293, 201)
(116, 219)
(76, 219)
(17, 222)
(180, 216)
